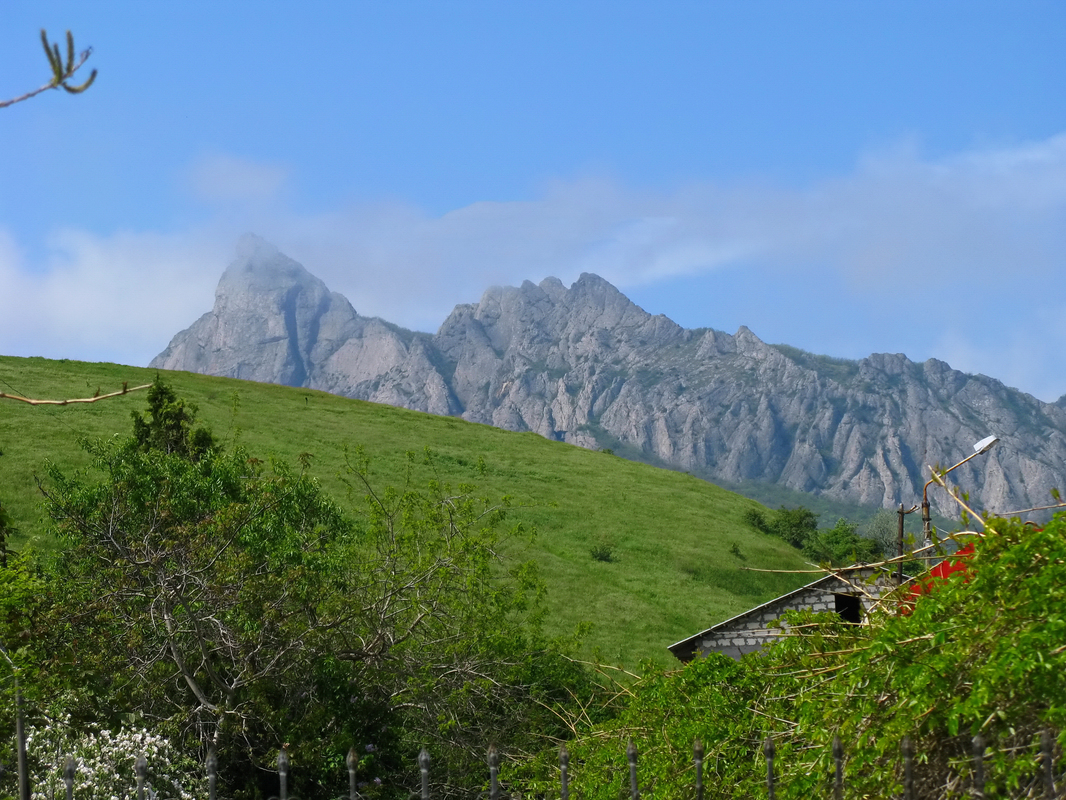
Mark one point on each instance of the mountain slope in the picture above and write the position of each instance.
(673, 568)
(586, 366)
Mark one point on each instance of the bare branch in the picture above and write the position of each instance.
(61, 73)
(93, 399)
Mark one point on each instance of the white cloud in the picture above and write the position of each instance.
(950, 235)
(115, 298)
(221, 179)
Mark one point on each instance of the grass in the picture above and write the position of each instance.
(677, 543)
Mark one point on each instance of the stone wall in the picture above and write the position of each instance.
(751, 630)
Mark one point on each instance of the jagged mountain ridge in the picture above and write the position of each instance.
(587, 366)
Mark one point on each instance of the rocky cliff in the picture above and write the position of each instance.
(585, 365)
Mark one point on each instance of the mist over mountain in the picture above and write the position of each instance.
(585, 365)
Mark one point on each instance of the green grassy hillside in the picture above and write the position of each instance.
(677, 543)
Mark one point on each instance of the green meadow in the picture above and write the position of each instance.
(640, 556)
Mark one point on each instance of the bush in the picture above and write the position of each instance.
(104, 763)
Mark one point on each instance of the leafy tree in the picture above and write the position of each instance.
(170, 427)
(840, 546)
(231, 601)
(794, 525)
(883, 528)
(983, 652)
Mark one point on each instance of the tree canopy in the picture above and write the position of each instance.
(983, 652)
(229, 602)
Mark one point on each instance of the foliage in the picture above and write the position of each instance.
(104, 763)
(62, 72)
(883, 528)
(837, 546)
(170, 426)
(231, 600)
(984, 652)
(840, 546)
(794, 525)
(574, 498)
(7, 529)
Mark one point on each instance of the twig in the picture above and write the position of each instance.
(61, 72)
(32, 402)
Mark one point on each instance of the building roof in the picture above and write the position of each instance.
(685, 650)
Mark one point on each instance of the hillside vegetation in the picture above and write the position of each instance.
(669, 548)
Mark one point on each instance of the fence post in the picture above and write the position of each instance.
(768, 751)
(908, 768)
(352, 761)
(212, 773)
(631, 755)
(283, 774)
(1047, 748)
(20, 738)
(494, 773)
(423, 767)
(68, 777)
(978, 766)
(141, 768)
(838, 769)
(697, 757)
(564, 769)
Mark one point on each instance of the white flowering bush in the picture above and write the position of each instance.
(105, 764)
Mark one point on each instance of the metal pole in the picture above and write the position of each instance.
(564, 770)
(352, 762)
(141, 768)
(212, 773)
(768, 751)
(899, 567)
(697, 757)
(20, 736)
(68, 777)
(838, 763)
(494, 773)
(631, 754)
(423, 768)
(283, 774)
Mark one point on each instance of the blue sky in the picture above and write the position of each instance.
(845, 177)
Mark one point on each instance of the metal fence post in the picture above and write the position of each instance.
(352, 761)
(838, 769)
(283, 774)
(564, 769)
(68, 777)
(20, 742)
(494, 773)
(908, 768)
(697, 757)
(631, 755)
(423, 767)
(212, 773)
(1047, 757)
(768, 751)
(141, 768)
(978, 766)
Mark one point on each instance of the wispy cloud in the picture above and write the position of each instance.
(220, 178)
(960, 235)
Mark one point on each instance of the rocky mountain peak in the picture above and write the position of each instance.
(586, 365)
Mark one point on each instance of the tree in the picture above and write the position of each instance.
(171, 425)
(984, 652)
(794, 525)
(62, 72)
(230, 599)
(883, 528)
(840, 546)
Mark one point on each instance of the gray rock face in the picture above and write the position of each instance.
(586, 366)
